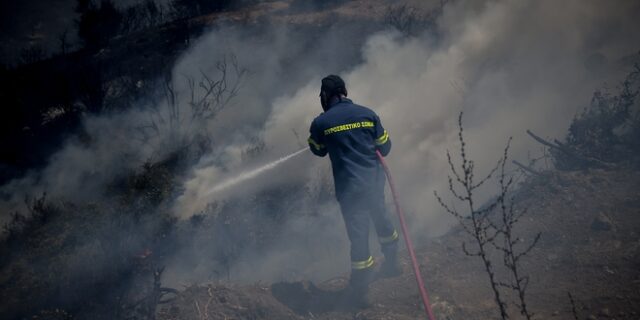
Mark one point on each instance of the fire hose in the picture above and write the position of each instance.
(407, 240)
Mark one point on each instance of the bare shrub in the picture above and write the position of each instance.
(512, 255)
(63, 42)
(182, 123)
(32, 54)
(39, 212)
(476, 222)
(97, 23)
(411, 21)
(490, 225)
(145, 14)
(605, 133)
(610, 123)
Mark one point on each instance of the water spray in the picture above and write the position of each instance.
(416, 270)
(251, 174)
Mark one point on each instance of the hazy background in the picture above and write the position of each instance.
(508, 65)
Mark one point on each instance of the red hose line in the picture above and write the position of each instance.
(407, 240)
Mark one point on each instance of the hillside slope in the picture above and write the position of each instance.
(589, 247)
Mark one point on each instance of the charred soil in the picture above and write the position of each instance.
(589, 247)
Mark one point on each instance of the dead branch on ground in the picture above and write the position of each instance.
(580, 160)
(526, 168)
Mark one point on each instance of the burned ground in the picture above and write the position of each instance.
(589, 247)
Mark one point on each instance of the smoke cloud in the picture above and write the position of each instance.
(508, 65)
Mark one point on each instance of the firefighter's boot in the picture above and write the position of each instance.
(358, 288)
(390, 267)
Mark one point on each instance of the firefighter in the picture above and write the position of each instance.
(351, 134)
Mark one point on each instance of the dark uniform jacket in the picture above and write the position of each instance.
(351, 133)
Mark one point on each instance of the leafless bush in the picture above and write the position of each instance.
(411, 21)
(98, 23)
(215, 94)
(144, 308)
(491, 225)
(477, 223)
(143, 15)
(511, 254)
(610, 120)
(63, 41)
(255, 148)
(606, 133)
(39, 212)
(88, 252)
(182, 122)
(32, 54)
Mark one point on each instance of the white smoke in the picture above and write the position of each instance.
(509, 65)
